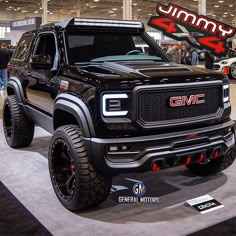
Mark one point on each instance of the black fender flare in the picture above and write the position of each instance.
(79, 110)
(15, 84)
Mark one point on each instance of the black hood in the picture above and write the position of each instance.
(141, 72)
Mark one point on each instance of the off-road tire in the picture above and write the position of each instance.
(89, 187)
(18, 129)
(214, 166)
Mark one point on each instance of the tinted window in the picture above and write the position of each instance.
(23, 47)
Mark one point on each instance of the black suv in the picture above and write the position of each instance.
(113, 108)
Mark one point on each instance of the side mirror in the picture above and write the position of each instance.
(40, 62)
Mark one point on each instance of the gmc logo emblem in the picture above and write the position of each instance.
(180, 101)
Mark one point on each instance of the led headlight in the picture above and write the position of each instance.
(112, 104)
(226, 92)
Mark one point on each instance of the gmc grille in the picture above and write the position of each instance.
(153, 106)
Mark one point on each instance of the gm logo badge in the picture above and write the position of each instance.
(139, 189)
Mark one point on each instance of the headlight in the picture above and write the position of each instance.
(113, 104)
(226, 92)
(225, 62)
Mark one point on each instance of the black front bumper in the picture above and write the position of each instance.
(135, 154)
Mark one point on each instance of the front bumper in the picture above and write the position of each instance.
(135, 154)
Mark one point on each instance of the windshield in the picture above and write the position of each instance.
(96, 47)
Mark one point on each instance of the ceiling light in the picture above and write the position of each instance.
(6, 1)
(135, 4)
(221, 1)
(216, 6)
(114, 9)
(195, 0)
(93, 6)
(111, 11)
(224, 16)
(232, 14)
(50, 13)
(36, 12)
(139, 10)
(150, 14)
(221, 19)
(96, 0)
(214, 15)
(231, 5)
(226, 13)
(24, 11)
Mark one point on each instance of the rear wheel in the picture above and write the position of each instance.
(18, 129)
(214, 166)
(75, 181)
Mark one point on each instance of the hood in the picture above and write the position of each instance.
(140, 73)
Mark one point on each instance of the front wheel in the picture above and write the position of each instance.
(214, 166)
(232, 71)
(75, 181)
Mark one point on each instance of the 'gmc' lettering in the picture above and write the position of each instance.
(184, 100)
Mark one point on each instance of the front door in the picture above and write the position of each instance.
(40, 88)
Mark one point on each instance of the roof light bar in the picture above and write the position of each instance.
(108, 23)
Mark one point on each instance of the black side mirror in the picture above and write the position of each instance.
(40, 62)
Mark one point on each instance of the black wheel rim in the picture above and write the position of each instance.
(62, 169)
(7, 119)
(233, 70)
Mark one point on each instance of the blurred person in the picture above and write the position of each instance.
(11, 50)
(194, 57)
(185, 55)
(209, 60)
(173, 53)
(164, 48)
(4, 59)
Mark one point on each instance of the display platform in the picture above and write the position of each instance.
(25, 173)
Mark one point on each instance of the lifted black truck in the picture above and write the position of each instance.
(113, 108)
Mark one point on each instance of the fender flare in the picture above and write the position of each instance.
(15, 84)
(79, 110)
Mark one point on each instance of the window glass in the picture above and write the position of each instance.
(46, 46)
(23, 47)
(98, 47)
